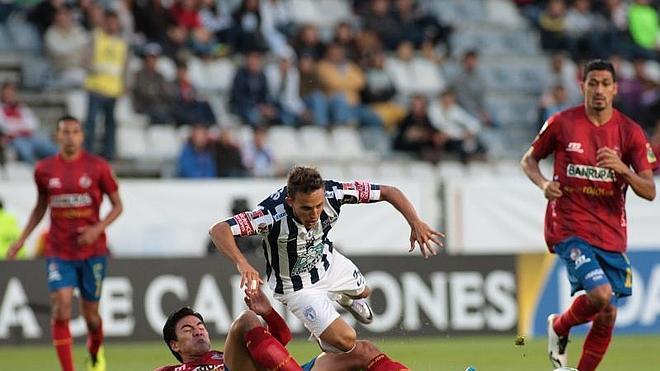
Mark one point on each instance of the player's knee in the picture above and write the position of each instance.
(607, 316)
(346, 340)
(601, 296)
(245, 322)
(60, 310)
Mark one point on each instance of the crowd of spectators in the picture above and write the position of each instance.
(380, 71)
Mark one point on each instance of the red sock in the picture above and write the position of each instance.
(383, 363)
(277, 327)
(95, 339)
(596, 343)
(581, 311)
(62, 341)
(269, 353)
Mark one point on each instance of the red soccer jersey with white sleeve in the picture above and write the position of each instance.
(74, 190)
(593, 202)
(211, 361)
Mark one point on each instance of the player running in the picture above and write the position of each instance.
(72, 184)
(598, 154)
(303, 269)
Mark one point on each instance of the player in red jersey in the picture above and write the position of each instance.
(72, 184)
(250, 346)
(598, 154)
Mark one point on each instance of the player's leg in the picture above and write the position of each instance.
(92, 272)
(584, 272)
(349, 288)
(365, 355)
(249, 346)
(61, 280)
(598, 339)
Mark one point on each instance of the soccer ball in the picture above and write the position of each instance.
(566, 369)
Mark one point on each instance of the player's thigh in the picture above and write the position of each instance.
(356, 359)
(313, 307)
(618, 270)
(345, 277)
(60, 303)
(338, 337)
(583, 267)
(92, 273)
(237, 356)
(62, 278)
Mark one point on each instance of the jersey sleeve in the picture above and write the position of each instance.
(40, 180)
(250, 223)
(107, 181)
(640, 152)
(545, 142)
(355, 192)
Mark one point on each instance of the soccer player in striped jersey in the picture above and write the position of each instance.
(303, 269)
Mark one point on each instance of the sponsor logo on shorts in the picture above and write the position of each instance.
(53, 273)
(578, 258)
(595, 275)
(587, 172)
(310, 313)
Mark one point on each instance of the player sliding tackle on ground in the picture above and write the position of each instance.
(303, 269)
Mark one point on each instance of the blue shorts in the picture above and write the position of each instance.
(589, 267)
(308, 366)
(87, 275)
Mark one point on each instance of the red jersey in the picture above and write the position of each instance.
(593, 203)
(211, 361)
(74, 190)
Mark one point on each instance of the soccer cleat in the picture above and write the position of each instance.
(96, 363)
(359, 308)
(556, 345)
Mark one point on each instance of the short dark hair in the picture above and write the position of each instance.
(67, 118)
(303, 179)
(598, 65)
(169, 329)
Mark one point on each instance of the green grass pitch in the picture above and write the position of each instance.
(497, 353)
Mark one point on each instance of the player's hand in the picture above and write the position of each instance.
(14, 248)
(608, 158)
(425, 237)
(257, 302)
(552, 190)
(88, 234)
(250, 280)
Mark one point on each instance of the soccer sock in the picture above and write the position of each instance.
(62, 341)
(383, 363)
(277, 327)
(95, 339)
(581, 311)
(269, 353)
(596, 343)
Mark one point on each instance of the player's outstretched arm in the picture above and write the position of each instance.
(530, 166)
(35, 217)
(224, 241)
(420, 232)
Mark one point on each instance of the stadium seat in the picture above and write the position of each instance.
(212, 76)
(315, 143)
(305, 11)
(131, 143)
(347, 144)
(244, 134)
(25, 37)
(162, 142)
(503, 13)
(167, 67)
(332, 170)
(6, 43)
(421, 170)
(283, 140)
(126, 116)
(76, 104)
(333, 12)
(393, 169)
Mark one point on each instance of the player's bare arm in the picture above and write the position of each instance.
(91, 233)
(35, 217)
(224, 241)
(551, 189)
(642, 183)
(420, 232)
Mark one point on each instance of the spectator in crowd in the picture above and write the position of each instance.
(186, 14)
(379, 92)
(417, 26)
(344, 35)
(66, 47)
(308, 42)
(461, 128)
(176, 43)
(563, 72)
(216, 17)
(93, 16)
(644, 27)
(553, 101)
(379, 19)
(650, 100)
(188, 107)
(629, 94)
(9, 232)
(417, 136)
(43, 14)
(552, 26)
(284, 86)
(276, 24)
(585, 30)
(105, 82)
(469, 89)
(245, 34)
(412, 75)
(311, 91)
(19, 127)
(152, 95)
(257, 156)
(151, 18)
(342, 82)
(196, 159)
(228, 156)
(203, 42)
(250, 97)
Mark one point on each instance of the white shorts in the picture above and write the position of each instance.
(314, 306)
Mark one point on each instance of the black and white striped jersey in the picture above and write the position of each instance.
(295, 256)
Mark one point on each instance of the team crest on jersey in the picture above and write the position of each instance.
(650, 156)
(574, 147)
(54, 183)
(262, 228)
(85, 181)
